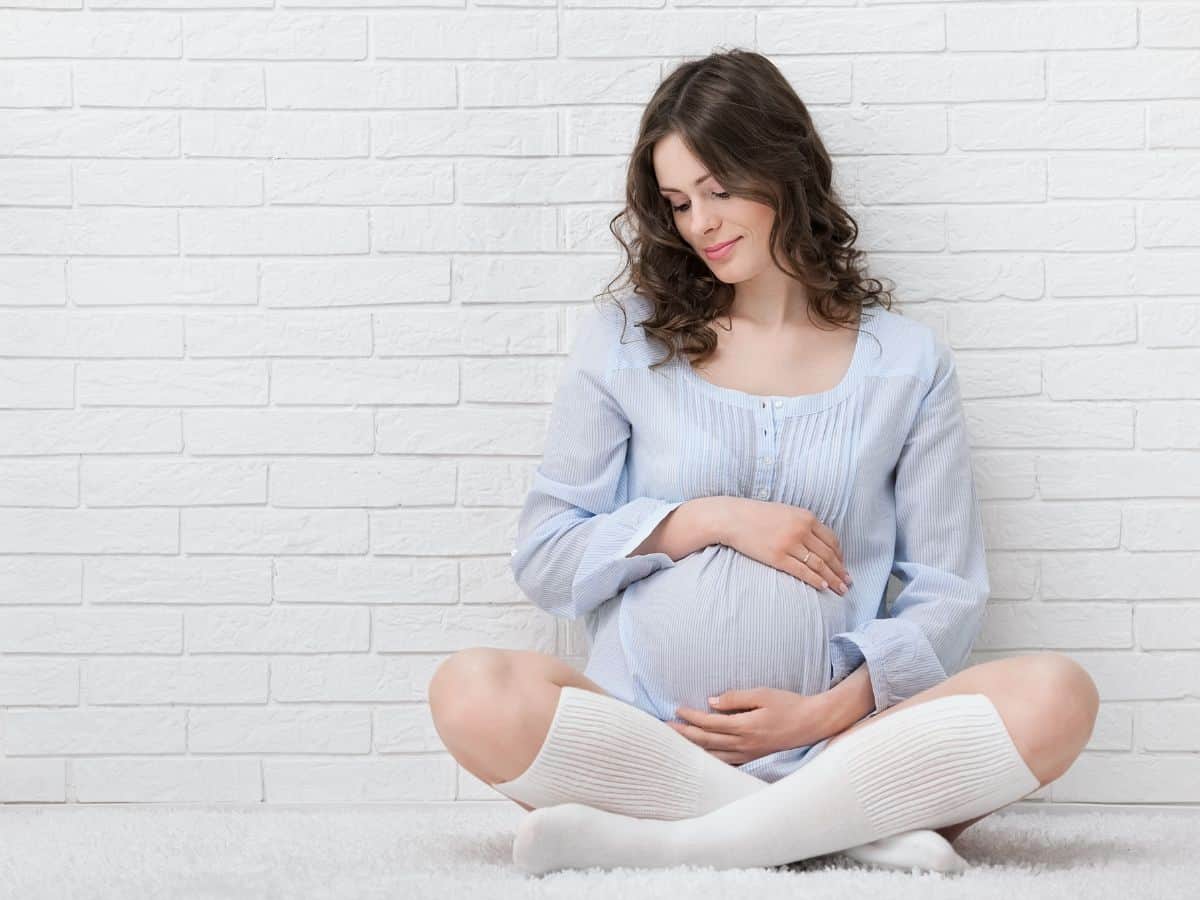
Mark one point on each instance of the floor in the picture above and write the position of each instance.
(412, 851)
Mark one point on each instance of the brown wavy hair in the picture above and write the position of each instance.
(737, 114)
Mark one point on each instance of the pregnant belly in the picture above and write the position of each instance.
(719, 620)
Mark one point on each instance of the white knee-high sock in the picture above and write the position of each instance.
(608, 754)
(612, 756)
(940, 762)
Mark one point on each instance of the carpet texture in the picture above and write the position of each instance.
(415, 851)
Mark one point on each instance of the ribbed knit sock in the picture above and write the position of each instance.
(940, 762)
(612, 756)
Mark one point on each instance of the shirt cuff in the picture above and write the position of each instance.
(899, 661)
(640, 517)
(849, 651)
(606, 569)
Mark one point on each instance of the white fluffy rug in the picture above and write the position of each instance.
(411, 851)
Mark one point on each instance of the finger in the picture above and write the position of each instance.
(814, 572)
(792, 565)
(720, 723)
(827, 575)
(733, 700)
(827, 536)
(734, 759)
(829, 556)
(709, 740)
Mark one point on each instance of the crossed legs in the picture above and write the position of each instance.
(492, 709)
(1048, 703)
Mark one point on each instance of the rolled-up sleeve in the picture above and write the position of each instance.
(939, 558)
(578, 525)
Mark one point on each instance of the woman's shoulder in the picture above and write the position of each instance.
(622, 319)
(907, 346)
(628, 308)
(607, 335)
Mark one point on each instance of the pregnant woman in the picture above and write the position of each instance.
(725, 521)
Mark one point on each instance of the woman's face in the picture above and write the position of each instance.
(705, 215)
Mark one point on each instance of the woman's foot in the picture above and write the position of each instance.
(575, 836)
(923, 849)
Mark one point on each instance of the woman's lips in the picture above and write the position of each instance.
(723, 250)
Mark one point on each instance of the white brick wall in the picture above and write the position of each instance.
(285, 290)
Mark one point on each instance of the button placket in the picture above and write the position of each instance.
(766, 462)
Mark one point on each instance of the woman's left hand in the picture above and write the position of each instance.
(753, 723)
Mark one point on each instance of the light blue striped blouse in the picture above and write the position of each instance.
(882, 459)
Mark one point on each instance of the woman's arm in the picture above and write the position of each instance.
(849, 700)
(577, 523)
(691, 526)
(939, 557)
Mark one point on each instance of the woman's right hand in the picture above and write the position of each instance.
(782, 536)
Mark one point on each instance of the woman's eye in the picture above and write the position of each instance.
(724, 195)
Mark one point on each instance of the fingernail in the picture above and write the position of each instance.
(714, 701)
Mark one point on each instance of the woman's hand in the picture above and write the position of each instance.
(770, 720)
(789, 538)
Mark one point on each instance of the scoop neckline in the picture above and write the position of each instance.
(802, 403)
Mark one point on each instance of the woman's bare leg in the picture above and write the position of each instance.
(492, 708)
(1047, 701)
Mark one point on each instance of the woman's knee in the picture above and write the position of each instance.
(467, 679)
(480, 689)
(492, 708)
(1049, 707)
(1074, 697)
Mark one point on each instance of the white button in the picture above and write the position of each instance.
(762, 494)
(778, 403)
(768, 459)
